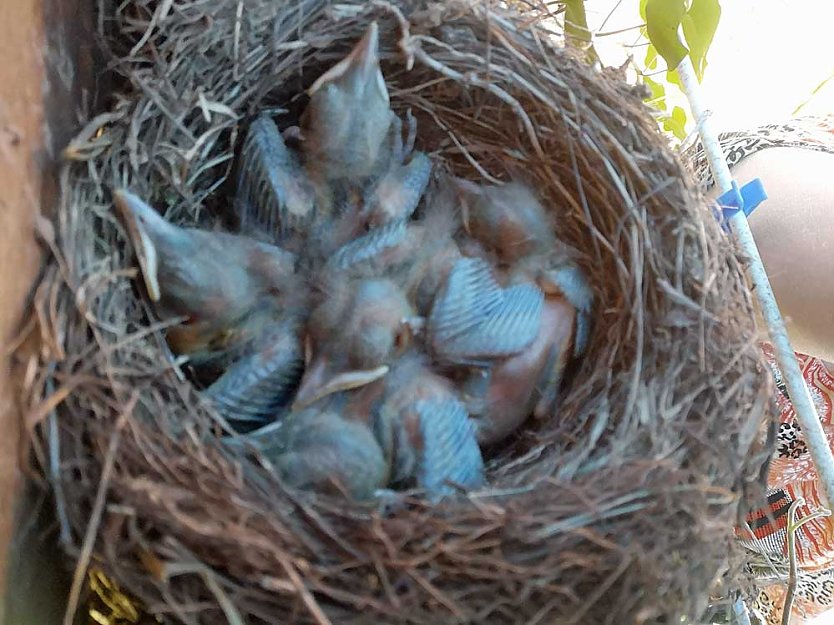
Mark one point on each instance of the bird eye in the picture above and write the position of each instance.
(403, 337)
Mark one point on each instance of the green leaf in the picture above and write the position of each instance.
(675, 123)
(658, 97)
(576, 22)
(651, 57)
(673, 78)
(576, 28)
(699, 26)
(663, 18)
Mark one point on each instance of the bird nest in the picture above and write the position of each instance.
(618, 508)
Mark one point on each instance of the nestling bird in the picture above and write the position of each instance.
(512, 343)
(496, 339)
(321, 450)
(501, 397)
(425, 431)
(273, 192)
(346, 128)
(510, 222)
(518, 354)
(240, 300)
(354, 332)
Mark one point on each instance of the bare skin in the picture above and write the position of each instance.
(794, 231)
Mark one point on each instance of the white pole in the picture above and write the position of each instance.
(797, 390)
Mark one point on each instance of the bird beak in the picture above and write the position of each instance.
(365, 56)
(363, 61)
(140, 220)
(319, 381)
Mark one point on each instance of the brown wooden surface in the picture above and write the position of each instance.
(21, 143)
(44, 61)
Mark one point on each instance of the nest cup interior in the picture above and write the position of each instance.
(618, 508)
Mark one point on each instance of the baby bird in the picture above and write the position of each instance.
(319, 449)
(510, 227)
(425, 431)
(513, 226)
(240, 300)
(346, 128)
(354, 332)
(500, 398)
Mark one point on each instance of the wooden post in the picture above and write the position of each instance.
(46, 56)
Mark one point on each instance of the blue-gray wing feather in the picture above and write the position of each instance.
(450, 454)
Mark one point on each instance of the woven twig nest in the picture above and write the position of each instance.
(619, 508)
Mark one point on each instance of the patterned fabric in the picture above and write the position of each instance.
(811, 133)
(792, 474)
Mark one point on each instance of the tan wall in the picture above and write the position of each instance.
(44, 59)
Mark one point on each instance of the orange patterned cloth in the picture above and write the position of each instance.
(792, 475)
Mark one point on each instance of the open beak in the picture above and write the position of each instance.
(362, 62)
(140, 219)
(319, 381)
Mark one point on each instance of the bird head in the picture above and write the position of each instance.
(347, 124)
(357, 75)
(508, 219)
(354, 334)
(213, 280)
(150, 235)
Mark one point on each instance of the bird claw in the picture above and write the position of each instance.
(390, 502)
(415, 324)
(293, 133)
(474, 391)
(401, 150)
(397, 146)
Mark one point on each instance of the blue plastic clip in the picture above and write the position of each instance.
(745, 199)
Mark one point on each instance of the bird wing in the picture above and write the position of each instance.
(469, 295)
(508, 329)
(398, 193)
(254, 390)
(450, 454)
(273, 192)
(475, 319)
(364, 249)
